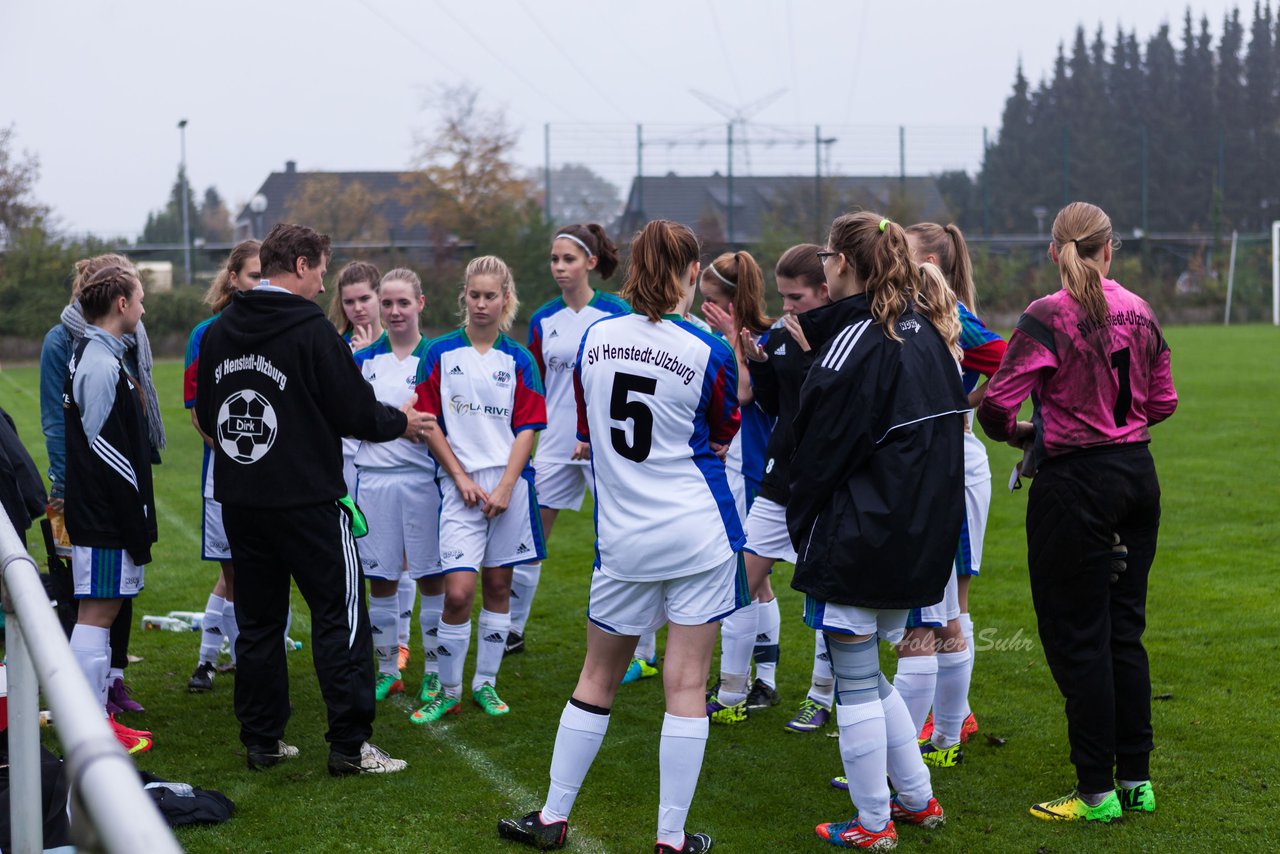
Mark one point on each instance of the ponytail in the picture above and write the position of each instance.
(597, 242)
(218, 296)
(1080, 231)
(947, 244)
(660, 255)
(878, 251)
(739, 275)
(937, 303)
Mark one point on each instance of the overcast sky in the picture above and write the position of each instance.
(95, 89)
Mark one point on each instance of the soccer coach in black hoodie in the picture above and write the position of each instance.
(276, 388)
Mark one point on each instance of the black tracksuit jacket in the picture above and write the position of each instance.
(877, 478)
(277, 389)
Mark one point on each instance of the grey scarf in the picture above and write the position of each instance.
(139, 347)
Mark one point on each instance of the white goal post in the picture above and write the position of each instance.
(1275, 273)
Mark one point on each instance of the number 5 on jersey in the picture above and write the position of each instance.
(623, 408)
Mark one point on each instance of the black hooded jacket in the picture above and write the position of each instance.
(877, 479)
(776, 384)
(277, 389)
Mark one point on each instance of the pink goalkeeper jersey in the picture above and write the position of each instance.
(1091, 383)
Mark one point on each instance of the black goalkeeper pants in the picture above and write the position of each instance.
(1090, 626)
(314, 546)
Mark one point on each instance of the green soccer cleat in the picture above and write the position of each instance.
(722, 714)
(639, 669)
(941, 757)
(430, 688)
(486, 697)
(387, 684)
(1140, 798)
(1073, 808)
(440, 706)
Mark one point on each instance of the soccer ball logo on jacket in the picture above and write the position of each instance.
(246, 426)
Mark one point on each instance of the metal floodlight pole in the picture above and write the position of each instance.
(186, 224)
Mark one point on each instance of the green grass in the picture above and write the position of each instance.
(1212, 640)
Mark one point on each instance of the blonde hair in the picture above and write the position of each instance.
(660, 254)
(492, 265)
(402, 274)
(936, 302)
(1080, 230)
(947, 244)
(739, 276)
(880, 256)
(352, 274)
(218, 296)
(86, 268)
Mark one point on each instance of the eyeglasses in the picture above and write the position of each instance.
(825, 254)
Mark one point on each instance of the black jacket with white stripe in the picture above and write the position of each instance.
(109, 498)
(877, 478)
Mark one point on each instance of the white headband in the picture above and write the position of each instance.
(712, 268)
(576, 240)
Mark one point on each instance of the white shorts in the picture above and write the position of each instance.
(977, 506)
(105, 573)
(767, 534)
(942, 612)
(470, 541)
(562, 486)
(402, 507)
(634, 608)
(213, 539)
(738, 486)
(852, 620)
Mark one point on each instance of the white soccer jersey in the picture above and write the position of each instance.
(651, 398)
(393, 382)
(555, 331)
(482, 401)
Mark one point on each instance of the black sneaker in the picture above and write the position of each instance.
(260, 760)
(531, 831)
(202, 679)
(515, 644)
(761, 696)
(694, 843)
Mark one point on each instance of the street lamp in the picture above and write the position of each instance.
(258, 204)
(1040, 212)
(186, 225)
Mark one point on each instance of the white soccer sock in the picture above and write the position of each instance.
(822, 686)
(452, 654)
(211, 629)
(966, 626)
(577, 741)
(382, 622)
(91, 647)
(429, 610)
(404, 604)
(524, 584)
(737, 638)
(230, 627)
(680, 751)
(951, 697)
(907, 771)
(647, 646)
(491, 640)
(768, 630)
(113, 673)
(863, 752)
(915, 680)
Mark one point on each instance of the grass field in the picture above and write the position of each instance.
(1213, 618)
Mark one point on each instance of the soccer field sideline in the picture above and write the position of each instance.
(1211, 636)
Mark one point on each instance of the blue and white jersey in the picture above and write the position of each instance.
(747, 453)
(555, 331)
(651, 398)
(393, 382)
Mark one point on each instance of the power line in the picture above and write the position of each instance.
(604, 96)
(791, 54)
(498, 58)
(724, 49)
(857, 61)
(373, 10)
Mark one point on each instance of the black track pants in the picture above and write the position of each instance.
(1092, 628)
(314, 546)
